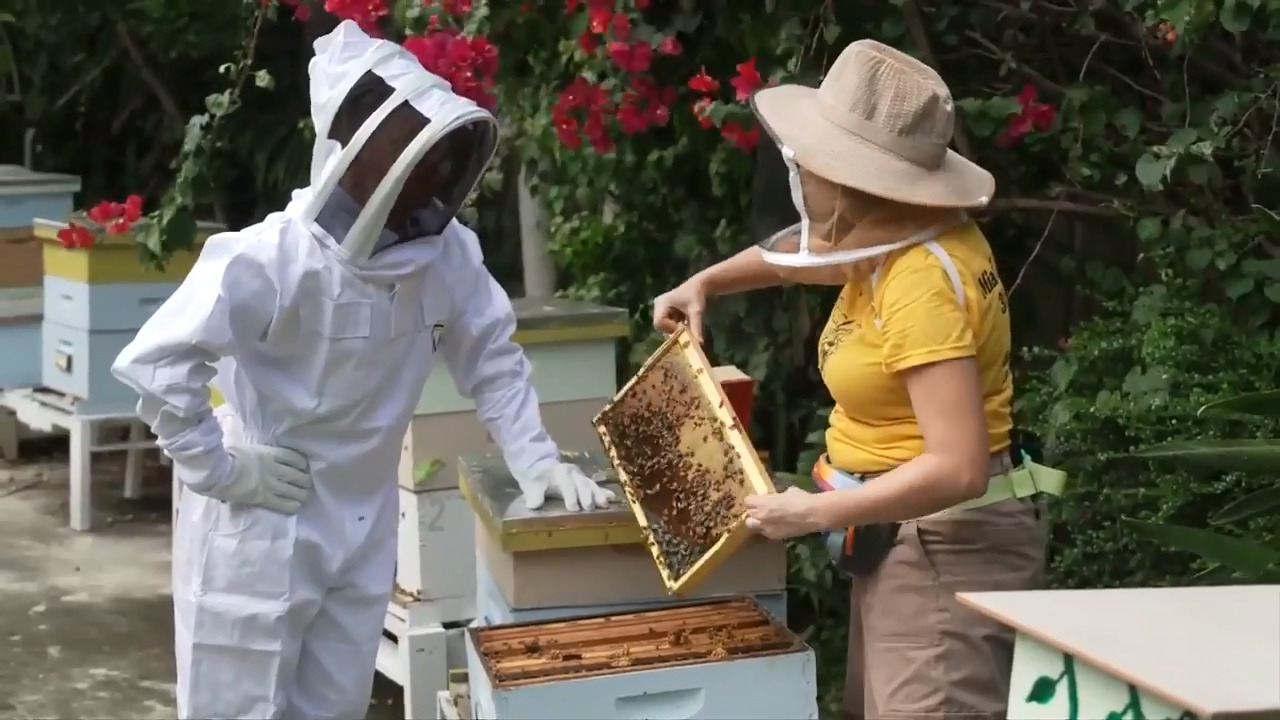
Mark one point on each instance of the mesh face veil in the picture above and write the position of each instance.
(839, 227)
(394, 138)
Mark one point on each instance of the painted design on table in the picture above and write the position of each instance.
(1045, 689)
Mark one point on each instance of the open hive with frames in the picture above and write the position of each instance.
(532, 653)
(684, 460)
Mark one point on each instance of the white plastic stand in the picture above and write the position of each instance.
(46, 410)
(418, 657)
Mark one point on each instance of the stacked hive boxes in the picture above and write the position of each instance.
(572, 347)
(95, 300)
(551, 563)
(24, 196)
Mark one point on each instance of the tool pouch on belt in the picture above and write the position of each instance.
(854, 551)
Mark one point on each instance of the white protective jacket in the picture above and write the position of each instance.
(320, 345)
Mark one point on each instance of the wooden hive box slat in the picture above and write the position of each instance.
(718, 450)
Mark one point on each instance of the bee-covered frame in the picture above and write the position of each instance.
(757, 481)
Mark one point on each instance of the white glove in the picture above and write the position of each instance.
(270, 477)
(566, 481)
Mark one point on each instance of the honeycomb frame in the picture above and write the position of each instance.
(723, 428)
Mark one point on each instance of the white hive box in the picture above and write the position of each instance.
(553, 563)
(724, 659)
(24, 196)
(1190, 653)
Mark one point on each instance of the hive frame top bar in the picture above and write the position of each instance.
(758, 481)
(793, 642)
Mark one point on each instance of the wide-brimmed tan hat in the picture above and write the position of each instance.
(880, 122)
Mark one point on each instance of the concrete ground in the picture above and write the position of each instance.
(86, 624)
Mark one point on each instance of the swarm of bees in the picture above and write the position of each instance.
(677, 462)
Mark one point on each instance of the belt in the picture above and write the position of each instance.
(1005, 481)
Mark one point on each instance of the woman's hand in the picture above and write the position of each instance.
(787, 514)
(684, 304)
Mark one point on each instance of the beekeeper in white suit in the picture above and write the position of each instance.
(319, 326)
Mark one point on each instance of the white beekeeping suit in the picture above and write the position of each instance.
(320, 325)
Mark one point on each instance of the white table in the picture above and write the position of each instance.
(1148, 653)
(46, 410)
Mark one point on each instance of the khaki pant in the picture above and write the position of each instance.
(914, 651)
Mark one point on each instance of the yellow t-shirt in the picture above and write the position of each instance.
(921, 321)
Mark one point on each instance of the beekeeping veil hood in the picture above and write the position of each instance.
(392, 140)
(865, 162)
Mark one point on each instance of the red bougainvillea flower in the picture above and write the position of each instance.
(702, 111)
(670, 46)
(631, 57)
(704, 83)
(104, 212)
(597, 134)
(621, 26)
(744, 139)
(599, 15)
(642, 4)
(631, 118)
(1033, 116)
(75, 236)
(467, 63)
(117, 217)
(365, 13)
(588, 43)
(747, 80)
(570, 7)
(132, 208)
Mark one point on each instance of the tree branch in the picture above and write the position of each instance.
(148, 75)
(1054, 206)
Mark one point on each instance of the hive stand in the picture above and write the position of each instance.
(572, 347)
(46, 410)
(1192, 653)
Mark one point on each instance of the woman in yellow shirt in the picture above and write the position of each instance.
(916, 356)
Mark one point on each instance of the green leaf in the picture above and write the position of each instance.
(1237, 287)
(1255, 504)
(1183, 138)
(1149, 228)
(1243, 455)
(831, 33)
(1042, 690)
(1128, 121)
(1256, 404)
(1235, 16)
(1151, 171)
(1272, 291)
(1198, 258)
(1245, 557)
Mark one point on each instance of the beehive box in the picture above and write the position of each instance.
(724, 659)
(95, 300)
(684, 461)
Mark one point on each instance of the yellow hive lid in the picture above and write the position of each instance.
(684, 461)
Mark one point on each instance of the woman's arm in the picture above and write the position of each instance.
(742, 272)
(947, 400)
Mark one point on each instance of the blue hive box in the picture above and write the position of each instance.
(24, 196)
